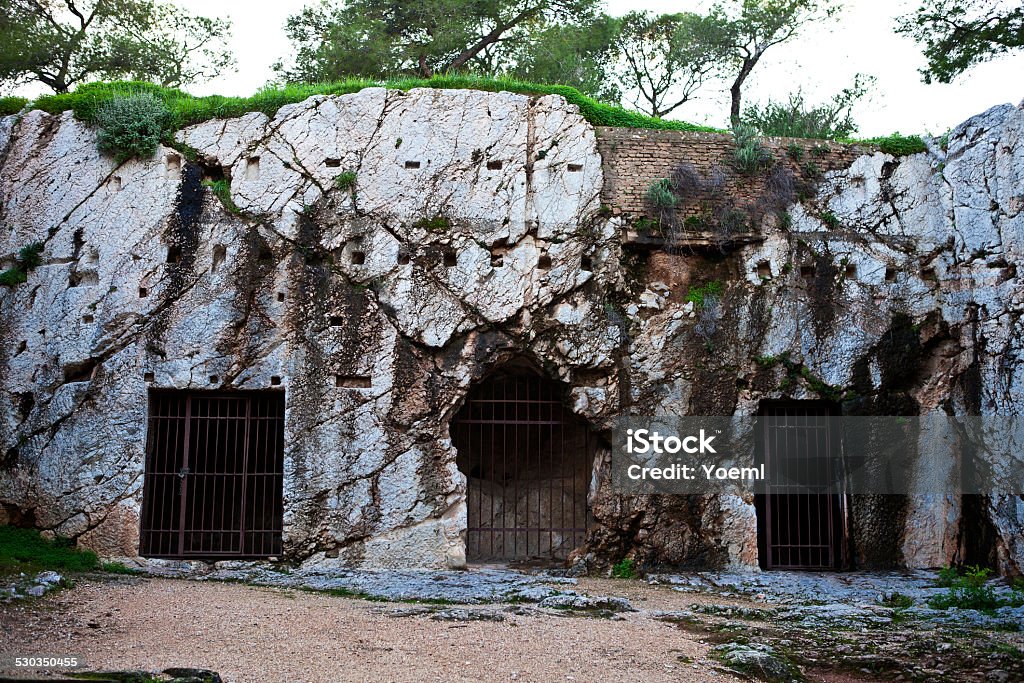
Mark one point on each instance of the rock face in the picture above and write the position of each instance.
(385, 251)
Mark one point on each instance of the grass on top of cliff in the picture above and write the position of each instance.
(25, 550)
(185, 110)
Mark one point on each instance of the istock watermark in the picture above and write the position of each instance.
(930, 454)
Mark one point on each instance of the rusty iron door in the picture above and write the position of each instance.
(802, 528)
(527, 460)
(214, 475)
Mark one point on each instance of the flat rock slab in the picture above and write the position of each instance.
(456, 587)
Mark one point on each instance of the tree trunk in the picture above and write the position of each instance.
(737, 89)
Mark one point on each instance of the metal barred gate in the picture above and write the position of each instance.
(527, 460)
(800, 529)
(214, 475)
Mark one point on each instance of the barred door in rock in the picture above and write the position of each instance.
(799, 527)
(214, 475)
(527, 460)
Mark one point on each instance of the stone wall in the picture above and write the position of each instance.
(634, 159)
(463, 250)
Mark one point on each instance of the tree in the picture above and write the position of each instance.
(759, 26)
(579, 55)
(381, 38)
(665, 59)
(796, 119)
(959, 34)
(64, 43)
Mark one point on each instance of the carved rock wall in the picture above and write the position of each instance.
(473, 236)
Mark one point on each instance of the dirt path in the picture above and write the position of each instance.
(269, 635)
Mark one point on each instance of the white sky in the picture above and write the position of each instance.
(823, 60)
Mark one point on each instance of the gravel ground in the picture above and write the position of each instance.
(261, 634)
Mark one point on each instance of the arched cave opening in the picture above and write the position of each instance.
(527, 460)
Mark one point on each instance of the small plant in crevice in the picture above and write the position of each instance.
(830, 220)
(131, 125)
(811, 170)
(897, 600)
(625, 569)
(820, 151)
(28, 259)
(795, 152)
(433, 224)
(647, 226)
(662, 201)
(222, 190)
(704, 294)
(750, 157)
(346, 180)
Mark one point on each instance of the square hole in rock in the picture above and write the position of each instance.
(890, 275)
(331, 162)
(88, 319)
(575, 168)
(149, 377)
(544, 262)
(850, 272)
(494, 165)
(275, 381)
(586, 262)
(450, 258)
(172, 163)
(412, 164)
(214, 379)
(928, 274)
(403, 259)
(252, 168)
(173, 254)
(280, 296)
(763, 269)
(352, 381)
(358, 258)
(143, 292)
(335, 321)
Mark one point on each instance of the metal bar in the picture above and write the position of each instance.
(184, 479)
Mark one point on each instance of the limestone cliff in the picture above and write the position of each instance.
(384, 250)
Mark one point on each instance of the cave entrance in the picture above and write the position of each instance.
(214, 475)
(799, 528)
(527, 462)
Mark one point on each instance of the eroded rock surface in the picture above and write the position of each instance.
(390, 249)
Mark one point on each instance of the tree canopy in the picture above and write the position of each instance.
(666, 59)
(755, 26)
(64, 43)
(959, 34)
(377, 38)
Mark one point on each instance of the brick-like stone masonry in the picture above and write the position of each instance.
(635, 158)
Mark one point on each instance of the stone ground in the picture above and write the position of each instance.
(253, 624)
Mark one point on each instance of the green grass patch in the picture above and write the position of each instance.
(895, 144)
(26, 550)
(434, 224)
(971, 590)
(12, 105)
(699, 296)
(29, 258)
(624, 569)
(185, 110)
